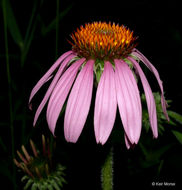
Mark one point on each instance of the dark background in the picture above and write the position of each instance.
(158, 26)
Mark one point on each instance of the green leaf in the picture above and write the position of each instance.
(30, 21)
(29, 33)
(98, 69)
(4, 169)
(12, 24)
(3, 146)
(55, 185)
(59, 181)
(52, 25)
(24, 178)
(50, 187)
(28, 184)
(178, 135)
(34, 186)
(160, 167)
(153, 156)
(177, 117)
(41, 185)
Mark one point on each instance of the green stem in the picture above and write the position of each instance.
(57, 26)
(9, 90)
(107, 172)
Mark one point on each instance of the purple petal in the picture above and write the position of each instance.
(149, 98)
(52, 85)
(60, 93)
(129, 102)
(105, 105)
(155, 72)
(79, 103)
(48, 74)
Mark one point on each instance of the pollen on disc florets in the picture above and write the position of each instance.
(100, 40)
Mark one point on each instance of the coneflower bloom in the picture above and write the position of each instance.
(106, 53)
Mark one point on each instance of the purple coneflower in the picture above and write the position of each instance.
(106, 53)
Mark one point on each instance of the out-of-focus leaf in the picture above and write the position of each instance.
(52, 25)
(3, 145)
(160, 167)
(28, 184)
(4, 169)
(178, 135)
(29, 33)
(49, 187)
(55, 186)
(34, 186)
(27, 45)
(176, 116)
(160, 115)
(12, 24)
(153, 156)
(24, 178)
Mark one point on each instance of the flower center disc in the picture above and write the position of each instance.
(100, 40)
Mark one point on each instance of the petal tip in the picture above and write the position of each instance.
(155, 136)
(71, 139)
(30, 106)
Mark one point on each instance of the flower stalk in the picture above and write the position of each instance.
(107, 172)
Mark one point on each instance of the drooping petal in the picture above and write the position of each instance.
(138, 54)
(128, 99)
(127, 142)
(48, 74)
(60, 93)
(51, 87)
(78, 104)
(105, 104)
(149, 98)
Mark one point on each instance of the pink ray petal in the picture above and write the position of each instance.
(52, 85)
(60, 93)
(129, 102)
(105, 104)
(138, 54)
(78, 104)
(127, 142)
(48, 74)
(149, 97)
